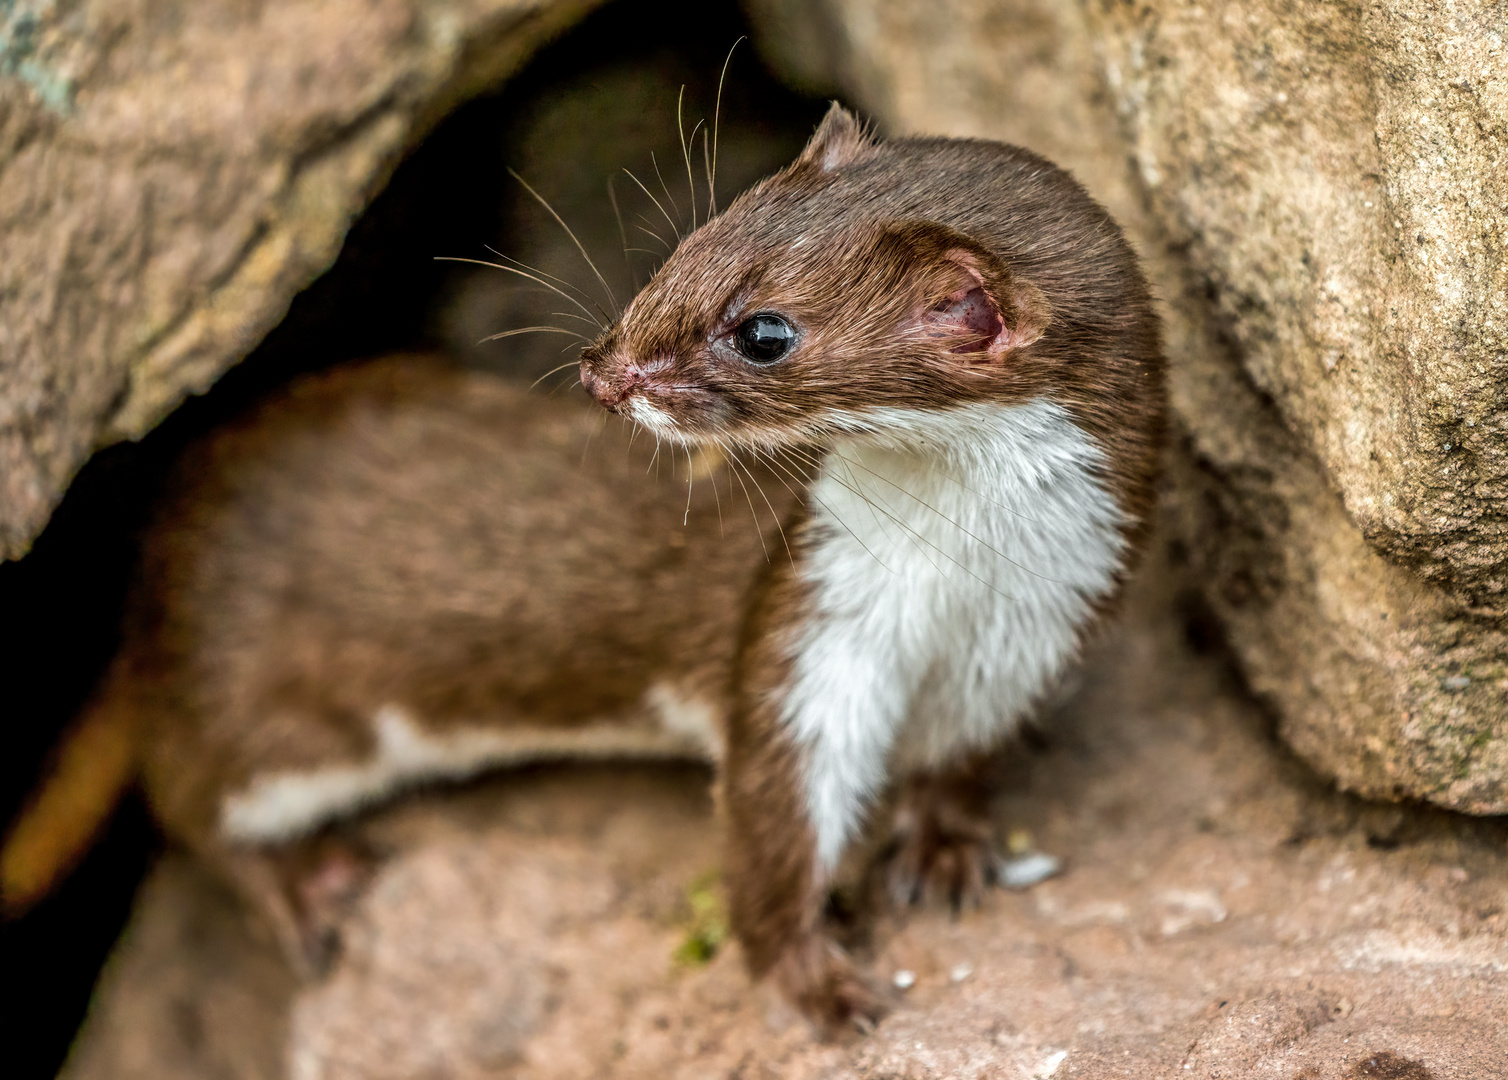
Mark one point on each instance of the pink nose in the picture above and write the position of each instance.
(607, 395)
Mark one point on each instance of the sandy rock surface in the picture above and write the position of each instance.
(172, 174)
(1220, 914)
(1321, 194)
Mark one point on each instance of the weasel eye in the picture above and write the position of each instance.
(764, 338)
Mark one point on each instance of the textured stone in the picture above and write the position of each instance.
(1217, 910)
(1321, 194)
(172, 174)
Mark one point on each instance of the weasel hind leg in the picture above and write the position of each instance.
(303, 891)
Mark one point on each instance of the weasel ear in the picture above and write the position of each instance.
(839, 140)
(972, 301)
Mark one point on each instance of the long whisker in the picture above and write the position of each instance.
(716, 495)
(707, 164)
(669, 197)
(716, 116)
(572, 315)
(691, 142)
(612, 197)
(606, 288)
(577, 289)
(552, 371)
(779, 526)
(978, 540)
(685, 153)
(690, 480)
(733, 472)
(650, 232)
(590, 435)
(532, 330)
(524, 274)
(919, 537)
(658, 205)
(832, 514)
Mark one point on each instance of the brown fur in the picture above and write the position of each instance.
(400, 533)
(867, 249)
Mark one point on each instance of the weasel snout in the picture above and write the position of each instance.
(608, 392)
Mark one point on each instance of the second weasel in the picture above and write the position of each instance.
(939, 353)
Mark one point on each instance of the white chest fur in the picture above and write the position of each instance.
(959, 556)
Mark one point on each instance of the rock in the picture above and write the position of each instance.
(533, 926)
(171, 175)
(1321, 194)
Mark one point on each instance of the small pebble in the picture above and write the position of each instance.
(1024, 871)
(904, 979)
(960, 972)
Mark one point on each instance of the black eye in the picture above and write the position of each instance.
(763, 339)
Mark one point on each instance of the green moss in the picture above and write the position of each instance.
(707, 927)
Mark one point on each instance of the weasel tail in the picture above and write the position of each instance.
(93, 766)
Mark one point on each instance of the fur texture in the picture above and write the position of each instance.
(398, 571)
(961, 554)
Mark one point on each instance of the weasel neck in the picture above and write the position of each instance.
(955, 557)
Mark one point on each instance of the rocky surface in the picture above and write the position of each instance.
(1321, 194)
(172, 174)
(1220, 914)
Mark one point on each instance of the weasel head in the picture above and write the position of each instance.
(810, 301)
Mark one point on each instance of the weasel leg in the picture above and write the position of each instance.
(303, 891)
(942, 849)
(777, 893)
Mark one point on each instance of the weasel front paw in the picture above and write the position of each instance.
(821, 981)
(941, 849)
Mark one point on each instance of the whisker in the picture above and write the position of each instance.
(716, 115)
(537, 280)
(978, 540)
(577, 289)
(716, 495)
(733, 472)
(668, 196)
(658, 205)
(606, 288)
(590, 435)
(685, 153)
(533, 330)
(650, 232)
(572, 315)
(832, 514)
(779, 526)
(690, 479)
(552, 371)
(707, 164)
(612, 197)
(919, 537)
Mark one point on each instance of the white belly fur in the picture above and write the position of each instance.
(961, 554)
(280, 806)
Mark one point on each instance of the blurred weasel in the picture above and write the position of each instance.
(931, 370)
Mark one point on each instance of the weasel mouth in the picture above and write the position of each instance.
(649, 415)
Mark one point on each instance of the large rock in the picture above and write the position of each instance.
(1321, 192)
(172, 174)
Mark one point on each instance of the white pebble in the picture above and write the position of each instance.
(904, 979)
(961, 971)
(1024, 871)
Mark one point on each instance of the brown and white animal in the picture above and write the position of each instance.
(934, 368)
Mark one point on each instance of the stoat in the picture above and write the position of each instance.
(929, 367)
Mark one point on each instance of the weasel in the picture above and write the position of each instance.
(934, 367)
